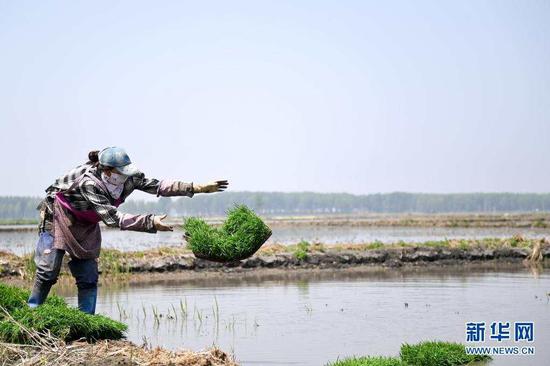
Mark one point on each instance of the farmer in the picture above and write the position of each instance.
(74, 206)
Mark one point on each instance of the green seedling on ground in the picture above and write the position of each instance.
(422, 354)
(55, 317)
(438, 354)
(369, 361)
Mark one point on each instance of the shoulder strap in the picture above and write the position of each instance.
(87, 174)
(77, 181)
(99, 182)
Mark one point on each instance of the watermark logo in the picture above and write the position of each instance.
(499, 331)
(524, 331)
(475, 332)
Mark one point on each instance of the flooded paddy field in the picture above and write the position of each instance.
(310, 318)
(22, 240)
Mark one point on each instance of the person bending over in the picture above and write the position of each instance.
(78, 201)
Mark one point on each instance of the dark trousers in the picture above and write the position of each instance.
(48, 264)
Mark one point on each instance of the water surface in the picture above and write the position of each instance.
(20, 242)
(309, 319)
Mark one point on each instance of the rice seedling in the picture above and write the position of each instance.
(122, 314)
(240, 236)
(199, 314)
(230, 325)
(434, 353)
(183, 308)
(216, 310)
(174, 310)
(369, 361)
(156, 314)
(54, 317)
(421, 354)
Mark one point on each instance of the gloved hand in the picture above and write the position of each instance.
(217, 186)
(161, 226)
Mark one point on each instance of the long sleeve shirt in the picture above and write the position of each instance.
(88, 195)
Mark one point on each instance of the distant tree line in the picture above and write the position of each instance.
(17, 207)
(277, 203)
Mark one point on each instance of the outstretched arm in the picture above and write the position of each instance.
(170, 188)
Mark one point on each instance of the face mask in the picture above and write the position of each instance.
(114, 183)
(115, 178)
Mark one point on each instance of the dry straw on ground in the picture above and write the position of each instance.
(48, 350)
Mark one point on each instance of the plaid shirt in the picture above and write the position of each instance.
(88, 195)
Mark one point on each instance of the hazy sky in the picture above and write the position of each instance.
(328, 96)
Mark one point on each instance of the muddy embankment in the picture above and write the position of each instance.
(335, 259)
(308, 256)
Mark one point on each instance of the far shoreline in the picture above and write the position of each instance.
(537, 220)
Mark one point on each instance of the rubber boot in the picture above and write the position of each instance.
(39, 294)
(87, 298)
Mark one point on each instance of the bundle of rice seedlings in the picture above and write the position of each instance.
(54, 317)
(436, 353)
(240, 236)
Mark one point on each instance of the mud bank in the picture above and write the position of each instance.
(304, 256)
(336, 259)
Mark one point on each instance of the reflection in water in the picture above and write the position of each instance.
(535, 268)
(311, 318)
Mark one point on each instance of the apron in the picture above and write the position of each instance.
(77, 232)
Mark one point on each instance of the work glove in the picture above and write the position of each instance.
(217, 186)
(161, 226)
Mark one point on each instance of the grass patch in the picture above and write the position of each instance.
(369, 361)
(55, 317)
(437, 354)
(301, 250)
(375, 245)
(422, 354)
(240, 236)
(29, 266)
(112, 261)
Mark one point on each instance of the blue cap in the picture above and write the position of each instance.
(116, 157)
